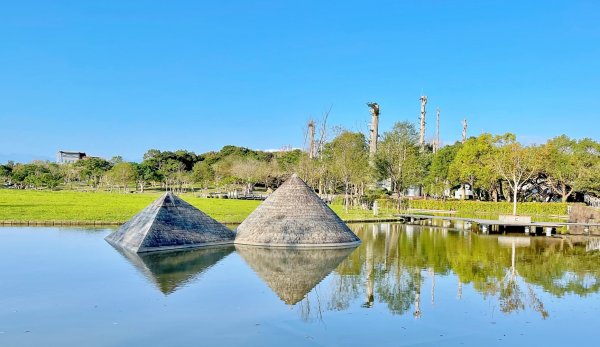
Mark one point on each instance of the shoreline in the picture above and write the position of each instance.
(105, 223)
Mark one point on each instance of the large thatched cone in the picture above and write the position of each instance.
(294, 216)
(170, 223)
(292, 272)
(174, 269)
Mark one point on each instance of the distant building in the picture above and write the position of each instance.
(464, 192)
(64, 157)
(413, 192)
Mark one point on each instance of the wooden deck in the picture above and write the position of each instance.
(485, 225)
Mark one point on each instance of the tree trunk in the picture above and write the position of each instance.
(565, 195)
(346, 197)
(515, 191)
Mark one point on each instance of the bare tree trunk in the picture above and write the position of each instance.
(346, 197)
(515, 191)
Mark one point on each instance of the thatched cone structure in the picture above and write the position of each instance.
(170, 223)
(294, 216)
(292, 272)
(174, 269)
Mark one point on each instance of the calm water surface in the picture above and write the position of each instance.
(404, 285)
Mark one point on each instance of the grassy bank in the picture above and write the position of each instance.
(69, 206)
(492, 208)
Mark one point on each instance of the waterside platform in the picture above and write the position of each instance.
(486, 226)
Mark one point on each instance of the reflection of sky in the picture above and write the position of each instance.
(68, 287)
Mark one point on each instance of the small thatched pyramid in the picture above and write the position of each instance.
(174, 269)
(170, 223)
(292, 273)
(294, 216)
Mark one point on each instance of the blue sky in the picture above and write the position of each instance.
(120, 77)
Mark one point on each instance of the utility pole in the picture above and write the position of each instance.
(311, 134)
(436, 145)
(374, 109)
(464, 132)
(422, 127)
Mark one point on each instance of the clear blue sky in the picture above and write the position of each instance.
(120, 77)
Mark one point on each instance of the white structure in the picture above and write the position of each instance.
(464, 192)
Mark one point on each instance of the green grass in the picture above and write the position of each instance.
(70, 206)
(492, 208)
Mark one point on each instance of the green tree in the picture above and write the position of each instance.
(348, 160)
(400, 159)
(92, 170)
(438, 177)
(473, 163)
(123, 174)
(145, 174)
(5, 174)
(517, 165)
(203, 173)
(570, 165)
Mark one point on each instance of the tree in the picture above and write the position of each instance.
(473, 162)
(516, 164)
(92, 170)
(245, 170)
(123, 173)
(145, 173)
(171, 170)
(438, 177)
(399, 158)
(569, 164)
(5, 174)
(348, 159)
(203, 173)
(71, 173)
(116, 159)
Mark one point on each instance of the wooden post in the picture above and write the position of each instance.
(374, 109)
(422, 121)
(436, 143)
(464, 131)
(311, 134)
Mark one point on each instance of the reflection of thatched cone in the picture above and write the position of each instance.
(173, 269)
(292, 273)
(170, 223)
(295, 215)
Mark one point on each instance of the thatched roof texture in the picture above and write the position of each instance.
(292, 272)
(170, 223)
(171, 270)
(294, 216)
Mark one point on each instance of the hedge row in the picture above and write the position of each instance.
(523, 208)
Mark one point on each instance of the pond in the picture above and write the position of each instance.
(404, 285)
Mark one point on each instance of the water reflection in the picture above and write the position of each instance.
(292, 273)
(174, 269)
(394, 260)
(393, 265)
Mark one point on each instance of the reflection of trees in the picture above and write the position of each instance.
(388, 268)
(560, 268)
(512, 298)
(389, 263)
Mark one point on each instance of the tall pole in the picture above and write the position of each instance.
(422, 127)
(464, 131)
(436, 146)
(311, 134)
(374, 109)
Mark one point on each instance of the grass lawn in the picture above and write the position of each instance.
(40, 206)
